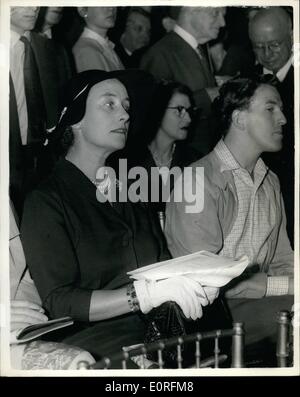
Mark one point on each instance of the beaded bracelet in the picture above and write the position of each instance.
(132, 298)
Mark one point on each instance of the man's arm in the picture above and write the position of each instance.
(190, 232)
(283, 261)
(281, 269)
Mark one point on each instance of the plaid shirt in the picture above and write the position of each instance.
(241, 216)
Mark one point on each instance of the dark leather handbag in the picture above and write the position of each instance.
(168, 321)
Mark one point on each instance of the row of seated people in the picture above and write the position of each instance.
(80, 238)
(181, 55)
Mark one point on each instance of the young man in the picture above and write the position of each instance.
(243, 211)
(271, 34)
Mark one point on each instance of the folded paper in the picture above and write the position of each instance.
(209, 269)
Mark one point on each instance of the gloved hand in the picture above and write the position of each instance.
(210, 292)
(187, 293)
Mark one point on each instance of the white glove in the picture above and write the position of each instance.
(210, 292)
(187, 293)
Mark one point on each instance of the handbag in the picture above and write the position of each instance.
(168, 320)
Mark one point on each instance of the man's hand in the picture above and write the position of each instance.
(254, 287)
(24, 313)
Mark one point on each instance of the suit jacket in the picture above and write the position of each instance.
(90, 54)
(21, 284)
(172, 58)
(47, 66)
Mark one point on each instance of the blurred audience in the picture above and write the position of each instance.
(181, 55)
(48, 19)
(271, 33)
(232, 52)
(93, 49)
(165, 132)
(33, 106)
(135, 38)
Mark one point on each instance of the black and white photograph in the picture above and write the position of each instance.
(149, 189)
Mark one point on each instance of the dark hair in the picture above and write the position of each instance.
(66, 140)
(236, 94)
(137, 10)
(164, 93)
(40, 20)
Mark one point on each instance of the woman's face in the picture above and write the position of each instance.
(101, 17)
(176, 121)
(53, 15)
(106, 120)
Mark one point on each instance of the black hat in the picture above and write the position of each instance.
(77, 89)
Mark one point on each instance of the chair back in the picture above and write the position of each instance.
(139, 353)
(284, 348)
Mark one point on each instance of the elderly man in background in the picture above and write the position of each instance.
(181, 55)
(271, 34)
(135, 38)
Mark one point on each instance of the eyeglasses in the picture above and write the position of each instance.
(274, 46)
(181, 111)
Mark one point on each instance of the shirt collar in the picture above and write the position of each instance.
(281, 72)
(229, 163)
(48, 33)
(90, 34)
(186, 36)
(15, 37)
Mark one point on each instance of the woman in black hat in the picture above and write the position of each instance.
(80, 242)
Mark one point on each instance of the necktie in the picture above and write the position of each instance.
(208, 73)
(34, 97)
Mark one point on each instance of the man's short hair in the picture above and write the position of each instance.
(137, 10)
(236, 94)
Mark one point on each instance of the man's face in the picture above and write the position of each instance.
(264, 120)
(23, 19)
(272, 44)
(206, 22)
(137, 31)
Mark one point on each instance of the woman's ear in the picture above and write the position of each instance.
(239, 119)
(82, 11)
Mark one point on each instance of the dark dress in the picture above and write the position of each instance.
(75, 245)
(183, 156)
